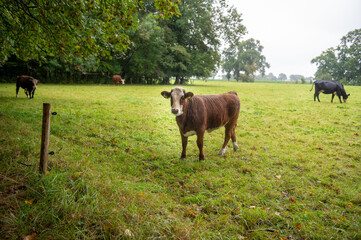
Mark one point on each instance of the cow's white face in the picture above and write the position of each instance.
(177, 95)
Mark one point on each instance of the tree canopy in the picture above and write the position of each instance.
(36, 30)
(342, 63)
(146, 41)
(244, 59)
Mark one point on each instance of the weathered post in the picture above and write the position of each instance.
(45, 139)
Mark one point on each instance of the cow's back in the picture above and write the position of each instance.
(211, 111)
(26, 81)
(326, 85)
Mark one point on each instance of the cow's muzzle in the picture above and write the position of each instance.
(175, 111)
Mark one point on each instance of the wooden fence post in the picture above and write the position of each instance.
(43, 166)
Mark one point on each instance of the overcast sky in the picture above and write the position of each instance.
(293, 32)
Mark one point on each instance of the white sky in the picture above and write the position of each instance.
(293, 32)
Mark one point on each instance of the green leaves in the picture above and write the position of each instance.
(246, 56)
(67, 28)
(343, 61)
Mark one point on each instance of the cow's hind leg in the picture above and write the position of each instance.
(315, 96)
(26, 92)
(234, 139)
(227, 136)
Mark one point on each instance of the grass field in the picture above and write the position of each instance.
(116, 172)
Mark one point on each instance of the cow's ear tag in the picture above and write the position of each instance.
(165, 94)
(188, 95)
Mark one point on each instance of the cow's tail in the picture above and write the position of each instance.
(312, 86)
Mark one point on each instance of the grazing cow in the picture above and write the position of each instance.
(117, 79)
(29, 84)
(330, 87)
(197, 113)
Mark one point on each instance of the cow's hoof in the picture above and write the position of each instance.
(222, 151)
(235, 146)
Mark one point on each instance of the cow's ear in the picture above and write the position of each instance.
(348, 95)
(165, 94)
(188, 95)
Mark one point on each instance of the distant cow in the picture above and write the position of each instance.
(197, 113)
(330, 87)
(29, 84)
(117, 79)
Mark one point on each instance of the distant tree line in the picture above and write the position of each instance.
(341, 63)
(297, 78)
(147, 42)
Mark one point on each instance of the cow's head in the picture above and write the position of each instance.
(345, 97)
(35, 83)
(177, 98)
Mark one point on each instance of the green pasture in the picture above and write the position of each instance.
(117, 173)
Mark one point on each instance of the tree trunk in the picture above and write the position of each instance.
(165, 81)
(176, 80)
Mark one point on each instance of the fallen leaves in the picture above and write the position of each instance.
(278, 214)
(128, 233)
(349, 205)
(29, 201)
(77, 175)
(31, 237)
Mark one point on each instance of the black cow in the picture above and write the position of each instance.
(330, 87)
(29, 84)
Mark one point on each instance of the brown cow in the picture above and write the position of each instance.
(29, 84)
(196, 114)
(117, 79)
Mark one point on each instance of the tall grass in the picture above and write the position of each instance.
(116, 172)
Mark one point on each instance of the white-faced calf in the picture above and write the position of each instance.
(29, 84)
(197, 113)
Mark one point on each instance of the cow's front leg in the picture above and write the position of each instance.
(17, 90)
(184, 146)
(200, 145)
(333, 95)
(339, 97)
